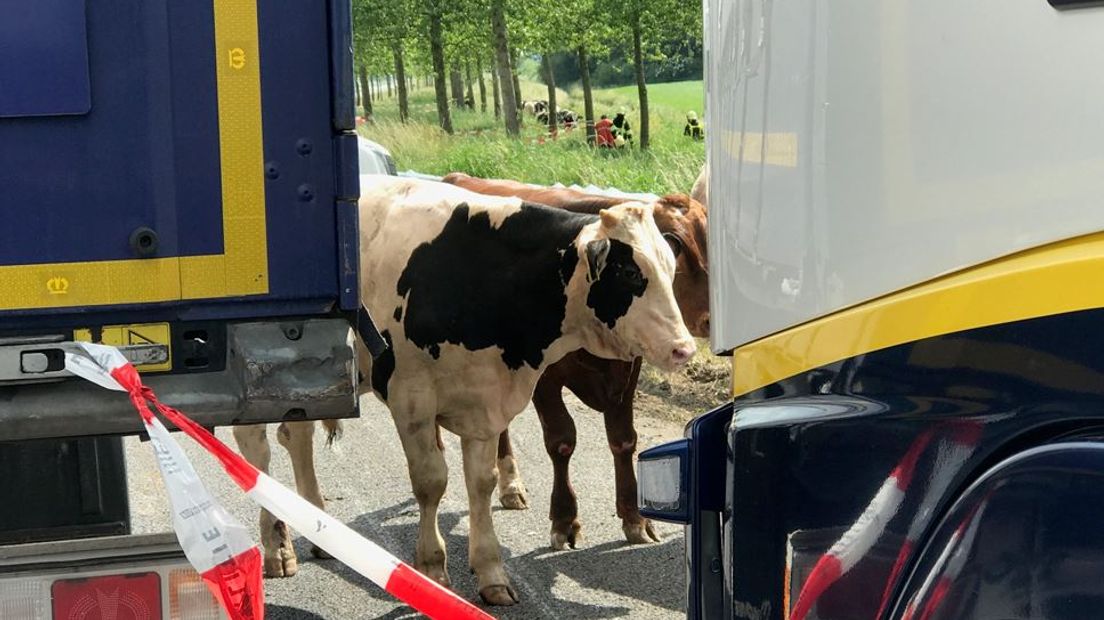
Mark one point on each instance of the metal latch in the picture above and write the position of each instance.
(39, 358)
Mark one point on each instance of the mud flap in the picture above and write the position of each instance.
(369, 334)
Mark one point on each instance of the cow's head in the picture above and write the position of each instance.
(626, 291)
(682, 221)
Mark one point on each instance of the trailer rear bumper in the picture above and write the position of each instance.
(274, 371)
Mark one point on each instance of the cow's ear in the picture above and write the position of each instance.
(597, 251)
(609, 218)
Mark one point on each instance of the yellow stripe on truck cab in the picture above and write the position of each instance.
(242, 268)
(1052, 279)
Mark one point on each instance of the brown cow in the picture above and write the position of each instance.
(605, 385)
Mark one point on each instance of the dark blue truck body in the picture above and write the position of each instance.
(179, 179)
(188, 165)
(956, 477)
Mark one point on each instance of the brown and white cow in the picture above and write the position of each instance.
(606, 385)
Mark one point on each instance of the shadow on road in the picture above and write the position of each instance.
(636, 572)
(283, 612)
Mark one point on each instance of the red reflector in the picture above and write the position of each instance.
(115, 597)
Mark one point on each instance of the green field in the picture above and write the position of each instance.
(480, 146)
(680, 96)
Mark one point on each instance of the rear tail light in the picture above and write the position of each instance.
(146, 592)
(189, 598)
(25, 598)
(135, 595)
(662, 475)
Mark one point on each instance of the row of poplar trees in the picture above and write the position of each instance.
(445, 42)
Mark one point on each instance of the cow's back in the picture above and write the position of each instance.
(678, 216)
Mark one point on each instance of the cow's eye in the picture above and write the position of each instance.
(632, 277)
(673, 241)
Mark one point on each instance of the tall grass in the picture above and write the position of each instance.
(481, 148)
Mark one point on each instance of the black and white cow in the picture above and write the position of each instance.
(477, 295)
(536, 107)
(566, 118)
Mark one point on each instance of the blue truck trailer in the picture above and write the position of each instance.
(178, 179)
(906, 206)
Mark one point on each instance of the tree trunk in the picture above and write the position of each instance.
(437, 51)
(502, 51)
(514, 76)
(588, 95)
(469, 93)
(482, 85)
(550, 81)
(494, 87)
(388, 80)
(641, 87)
(457, 82)
(401, 82)
(365, 93)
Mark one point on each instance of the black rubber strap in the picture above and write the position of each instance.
(369, 334)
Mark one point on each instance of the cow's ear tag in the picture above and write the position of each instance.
(597, 251)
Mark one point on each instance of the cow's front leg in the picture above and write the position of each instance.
(483, 553)
(429, 477)
(622, 442)
(298, 439)
(511, 490)
(279, 554)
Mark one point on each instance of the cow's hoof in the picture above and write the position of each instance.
(281, 566)
(562, 539)
(436, 573)
(640, 532)
(498, 595)
(320, 553)
(514, 500)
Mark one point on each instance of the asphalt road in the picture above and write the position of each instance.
(366, 485)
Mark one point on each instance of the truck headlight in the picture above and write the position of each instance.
(662, 482)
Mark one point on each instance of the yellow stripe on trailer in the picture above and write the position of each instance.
(1052, 279)
(242, 268)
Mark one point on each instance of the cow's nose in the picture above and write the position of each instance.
(682, 354)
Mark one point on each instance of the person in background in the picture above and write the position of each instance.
(694, 128)
(603, 132)
(621, 129)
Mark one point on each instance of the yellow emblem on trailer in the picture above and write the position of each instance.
(57, 285)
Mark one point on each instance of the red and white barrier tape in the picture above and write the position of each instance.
(216, 544)
(949, 565)
(861, 536)
(953, 452)
(360, 554)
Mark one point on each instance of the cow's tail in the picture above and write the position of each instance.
(334, 429)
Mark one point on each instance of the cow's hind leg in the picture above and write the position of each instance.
(621, 435)
(559, 441)
(425, 462)
(483, 552)
(279, 555)
(511, 490)
(298, 439)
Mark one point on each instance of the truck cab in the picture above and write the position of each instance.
(180, 181)
(906, 244)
